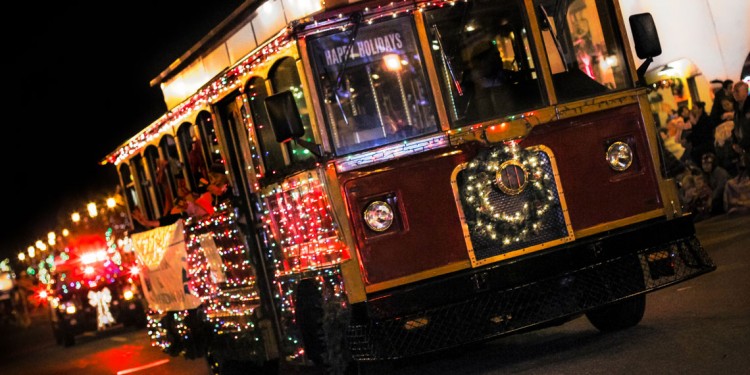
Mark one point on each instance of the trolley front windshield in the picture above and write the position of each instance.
(374, 85)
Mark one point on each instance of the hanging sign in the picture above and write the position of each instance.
(165, 278)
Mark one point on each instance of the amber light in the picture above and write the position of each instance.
(502, 127)
(416, 323)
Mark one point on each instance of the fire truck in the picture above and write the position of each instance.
(93, 288)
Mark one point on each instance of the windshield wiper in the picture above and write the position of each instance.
(447, 61)
(357, 18)
(546, 26)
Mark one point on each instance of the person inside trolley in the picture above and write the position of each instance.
(217, 190)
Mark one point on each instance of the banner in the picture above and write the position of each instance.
(164, 277)
(213, 258)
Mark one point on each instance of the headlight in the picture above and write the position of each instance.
(70, 308)
(378, 216)
(619, 156)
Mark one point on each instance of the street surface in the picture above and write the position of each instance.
(701, 326)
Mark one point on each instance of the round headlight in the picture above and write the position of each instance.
(619, 156)
(378, 216)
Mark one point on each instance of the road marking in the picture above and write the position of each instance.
(139, 368)
(118, 339)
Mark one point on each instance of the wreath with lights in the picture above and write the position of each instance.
(481, 180)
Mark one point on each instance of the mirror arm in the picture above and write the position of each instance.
(641, 71)
(313, 147)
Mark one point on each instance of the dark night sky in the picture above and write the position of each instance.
(76, 79)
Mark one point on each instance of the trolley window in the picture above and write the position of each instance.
(584, 47)
(483, 58)
(374, 86)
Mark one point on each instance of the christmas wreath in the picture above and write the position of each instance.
(485, 179)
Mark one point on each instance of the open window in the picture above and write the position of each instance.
(192, 155)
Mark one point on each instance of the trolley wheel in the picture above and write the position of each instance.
(628, 311)
(324, 341)
(57, 333)
(309, 316)
(64, 334)
(215, 364)
(68, 338)
(619, 315)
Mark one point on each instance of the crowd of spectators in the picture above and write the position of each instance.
(709, 152)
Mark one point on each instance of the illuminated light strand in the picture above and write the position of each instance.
(299, 230)
(229, 81)
(229, 303)
(234, 77)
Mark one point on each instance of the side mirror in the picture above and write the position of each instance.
(646, 41)
(286, 122)
(284, 117)
(645, 37)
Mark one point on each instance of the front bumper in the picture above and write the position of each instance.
(506, 297)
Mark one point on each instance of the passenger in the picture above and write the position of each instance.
(162, 169)
(178, 211)
(217, 192)
(197, 165)
(486, 83)
(139, 220)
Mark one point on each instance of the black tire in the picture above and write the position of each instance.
(309, 317)
(323, 336)
(213, 362)
(64, 333)
(69, 339)
(58, 335)
(135, 318)
(619, 315)
(55, 324)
